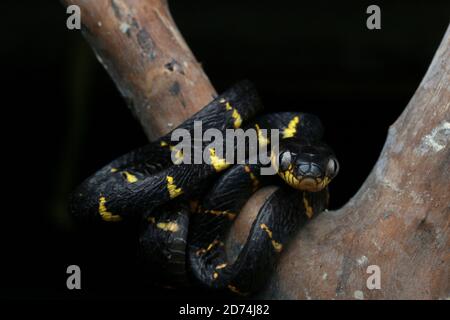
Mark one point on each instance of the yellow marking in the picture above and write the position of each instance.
(215, 275)
(255, 181)
(163, 144)
(276, 245)
(174, 191)
(168, 226)
(151, 220)
(113, 170)
(308, 208)
(221, 266)
(325, 182)
(131, 178)
(290, 179)
(107, 216)
(236, 116)
(237, 119)
(200, 252)
(230, 215)
(178, 155)
(266, 229)
(262, 140)
(233, 288)
(218, 163)
(236, 290)
(291, 129)
(211, 245)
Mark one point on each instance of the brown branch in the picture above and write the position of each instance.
(399, 219)
(141, 48)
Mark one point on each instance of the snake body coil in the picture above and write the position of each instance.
(185, 210)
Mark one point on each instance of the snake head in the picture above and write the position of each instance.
(304, 165)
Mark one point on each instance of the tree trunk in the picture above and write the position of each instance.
(398, 220)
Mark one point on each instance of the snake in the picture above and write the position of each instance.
(184, 211)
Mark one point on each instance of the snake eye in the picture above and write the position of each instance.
(332, 168)
(285, 160)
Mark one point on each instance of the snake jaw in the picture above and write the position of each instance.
(314, 185)
(305, 183)
(289, 178)
(310, 184)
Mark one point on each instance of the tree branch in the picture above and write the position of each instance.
(399, 219)
(140, 46)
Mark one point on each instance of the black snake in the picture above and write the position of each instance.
(185, 210)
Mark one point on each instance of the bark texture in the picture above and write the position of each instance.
(140, 46)
(398, 220)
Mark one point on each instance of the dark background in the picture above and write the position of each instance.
(63, 118)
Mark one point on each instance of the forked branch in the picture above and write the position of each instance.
(398, 220)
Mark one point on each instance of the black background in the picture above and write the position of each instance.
(62, 117)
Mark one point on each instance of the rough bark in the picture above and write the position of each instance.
(140, 46)
(398, 220)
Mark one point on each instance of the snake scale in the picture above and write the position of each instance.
(185, 210)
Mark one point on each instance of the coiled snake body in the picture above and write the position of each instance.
(185, 210)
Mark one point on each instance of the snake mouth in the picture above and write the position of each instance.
(312, 184)
(305, 183)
